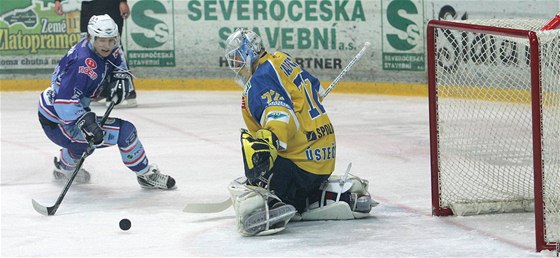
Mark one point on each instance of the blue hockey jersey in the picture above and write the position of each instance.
(76, 80)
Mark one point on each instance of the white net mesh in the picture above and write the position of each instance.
(550, 81)
(484, 121)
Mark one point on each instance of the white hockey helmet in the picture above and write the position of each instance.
(102, 26)
(243, 49)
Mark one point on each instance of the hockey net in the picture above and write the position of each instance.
(494, 89)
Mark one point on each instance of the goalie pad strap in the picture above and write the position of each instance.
(340, 199)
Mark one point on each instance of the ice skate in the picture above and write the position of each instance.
(153, 179)
(63, 175)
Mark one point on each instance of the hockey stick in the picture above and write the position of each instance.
(346, 69)
(215, 207)
(49, 211)
(207, 207)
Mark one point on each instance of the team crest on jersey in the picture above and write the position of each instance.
(91, 63)
(88, 71)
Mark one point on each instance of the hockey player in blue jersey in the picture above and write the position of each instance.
(67, 120)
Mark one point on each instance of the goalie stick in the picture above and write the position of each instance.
(49, 211)
(346, 69)
(215, 207)
(207, 207)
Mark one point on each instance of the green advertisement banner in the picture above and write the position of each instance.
(403, 42)
(150, 35)
(185, 38)
(32, 36)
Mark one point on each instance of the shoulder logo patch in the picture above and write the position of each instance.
(278, 116)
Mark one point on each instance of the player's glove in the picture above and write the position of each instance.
(120, 86)
(88, 125)
(259, 154)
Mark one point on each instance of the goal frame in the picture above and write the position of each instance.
(536, 109)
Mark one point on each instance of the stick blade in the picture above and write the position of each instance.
(41, 209)
(207, 207)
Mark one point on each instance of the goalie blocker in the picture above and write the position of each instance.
(260, 212)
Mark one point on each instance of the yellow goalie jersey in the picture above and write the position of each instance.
(285, 99)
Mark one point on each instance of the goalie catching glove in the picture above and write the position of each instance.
(120, 86)
(259, 154)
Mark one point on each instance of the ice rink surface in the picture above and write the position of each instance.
(194, 137)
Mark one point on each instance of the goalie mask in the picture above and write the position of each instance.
(103, 34)
(243, 48)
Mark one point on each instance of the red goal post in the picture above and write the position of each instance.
(494, 104)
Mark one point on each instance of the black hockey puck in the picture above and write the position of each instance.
(125, 224)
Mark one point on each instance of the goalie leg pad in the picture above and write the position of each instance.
(267, 222)
(254, 216)
(341, 199)
(352, 184)
(331, 211)
(340, 210)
